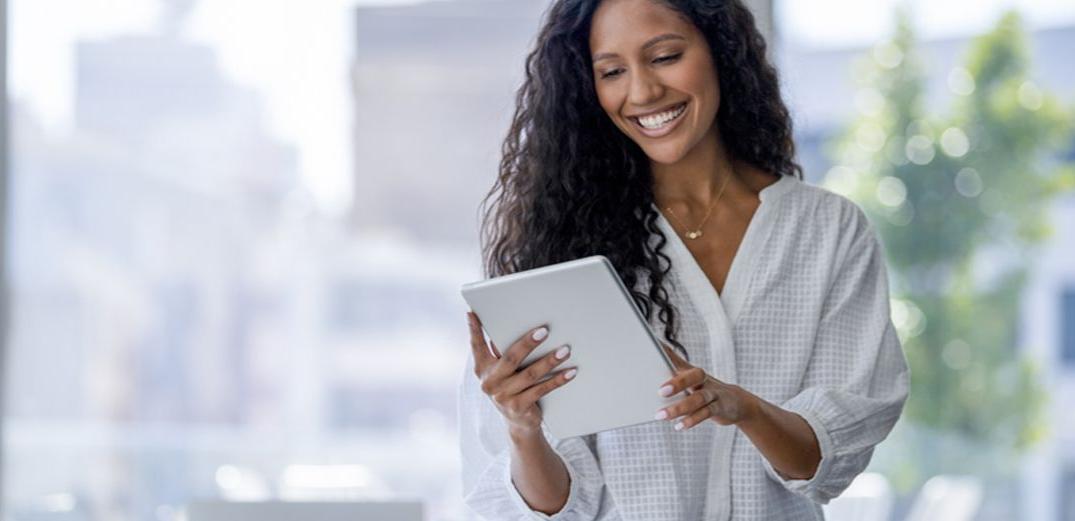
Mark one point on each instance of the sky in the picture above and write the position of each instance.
(297, 54)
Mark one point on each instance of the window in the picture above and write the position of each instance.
(1067, 493)
(1067, 327)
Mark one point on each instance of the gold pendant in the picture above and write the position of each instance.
(694, 235)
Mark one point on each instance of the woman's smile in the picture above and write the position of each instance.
(661, 124)
(653, 67)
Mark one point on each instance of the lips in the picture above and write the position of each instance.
(667, 126)
(655, 112)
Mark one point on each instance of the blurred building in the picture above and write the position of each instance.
(162, 142)
(434, 87)
(132, 241)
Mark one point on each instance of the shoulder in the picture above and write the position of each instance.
(837, 223)
(823, 207)
(830, 206)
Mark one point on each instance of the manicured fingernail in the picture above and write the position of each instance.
(679, 426)
(570, 373)
(563, 352)
(540, 334)
(666, 390)
(661, 414)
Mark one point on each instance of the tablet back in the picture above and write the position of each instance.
(586, 305)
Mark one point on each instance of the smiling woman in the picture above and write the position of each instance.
(646, 92)
(772, 293)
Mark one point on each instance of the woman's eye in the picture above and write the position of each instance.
(663, 59)
(670, 57)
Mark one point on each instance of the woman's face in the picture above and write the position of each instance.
(650, 63)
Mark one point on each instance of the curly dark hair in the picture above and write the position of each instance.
(571, 184)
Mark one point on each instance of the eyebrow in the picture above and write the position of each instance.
(650, 43)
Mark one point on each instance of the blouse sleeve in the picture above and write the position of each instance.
(488, 489)
(857, 380)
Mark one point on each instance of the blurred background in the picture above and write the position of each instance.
(235, 234)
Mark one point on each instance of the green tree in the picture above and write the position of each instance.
(959, 198)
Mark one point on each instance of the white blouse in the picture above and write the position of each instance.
(803, 323)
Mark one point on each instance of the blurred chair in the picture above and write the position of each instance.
(868, 498)
(300, 511)
(947, 498)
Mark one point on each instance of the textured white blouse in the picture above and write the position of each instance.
(803, 322)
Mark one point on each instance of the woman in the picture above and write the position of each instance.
(771, 293)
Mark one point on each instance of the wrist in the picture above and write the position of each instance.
(751, 411)
(521, 435)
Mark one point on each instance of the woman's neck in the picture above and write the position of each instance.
(695, 180)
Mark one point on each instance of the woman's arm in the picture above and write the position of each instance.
(539, 474)
(783, 437)
(537, 471)
(513, 469)
(489, 488)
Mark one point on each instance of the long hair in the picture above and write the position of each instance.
(571, 184)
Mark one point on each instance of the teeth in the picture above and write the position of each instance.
(658, 120)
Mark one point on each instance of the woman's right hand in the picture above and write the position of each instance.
(515, 391)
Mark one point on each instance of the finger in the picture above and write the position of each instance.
(538, 390)
(513, 358)
(534, 372)
(686, 406)
(482, 356)
(677, 361)
(694, 418)
(492, 345)
(685, 379)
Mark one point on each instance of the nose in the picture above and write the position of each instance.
(645, 88)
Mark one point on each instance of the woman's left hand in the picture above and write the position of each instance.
(707, 398)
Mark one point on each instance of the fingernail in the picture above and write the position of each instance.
(563, 352)
(540, 334)
(679, 426)
(570, 374)
(661, 414)
(666, 391)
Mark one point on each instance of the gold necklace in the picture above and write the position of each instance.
(698, 233)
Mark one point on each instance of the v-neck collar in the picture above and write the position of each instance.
(735, 285)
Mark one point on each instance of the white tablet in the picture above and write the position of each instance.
(585, 304)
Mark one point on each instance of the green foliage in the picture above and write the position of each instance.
(959, 199)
